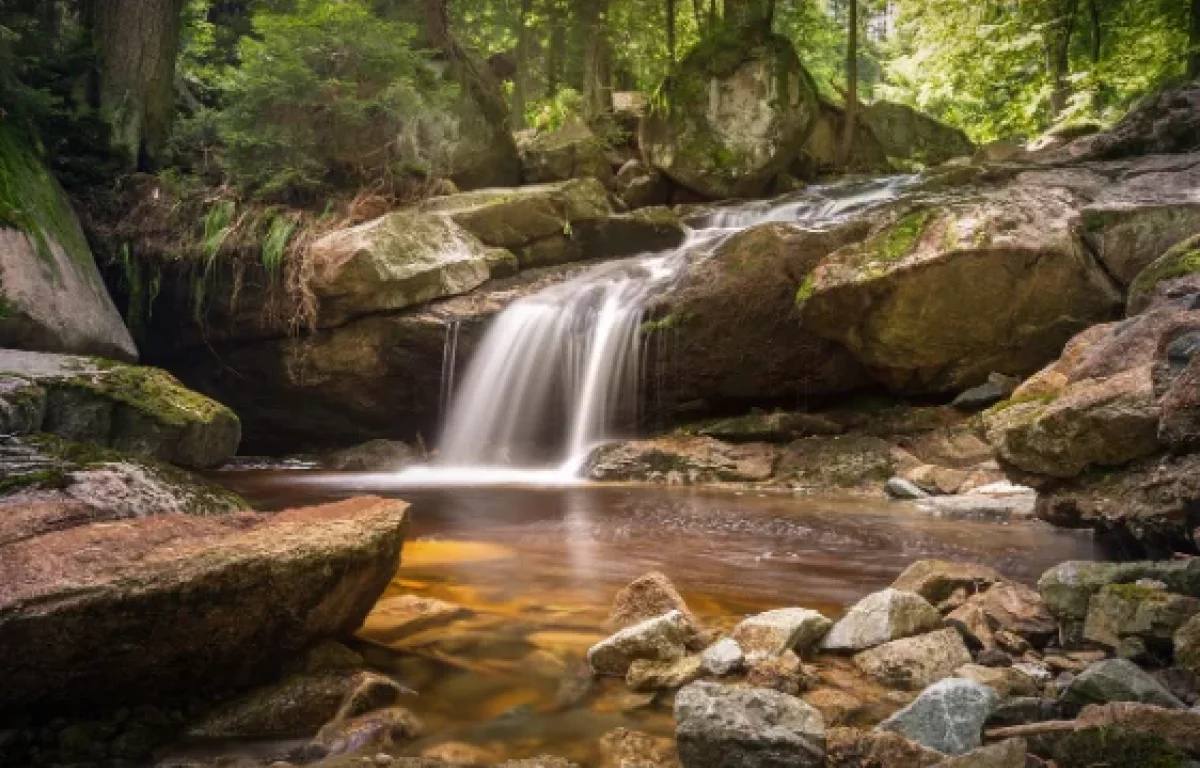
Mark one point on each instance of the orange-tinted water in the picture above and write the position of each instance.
(536, 570)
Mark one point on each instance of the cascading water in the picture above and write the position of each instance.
(556, 369)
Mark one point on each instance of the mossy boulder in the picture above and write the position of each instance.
(129, 408)
(938, 298)
(52, 297)
(173, 606)
(908, 134)
(822, 147)
(1180, 262)
(1128, 236)
(731, 115)
(682, 461)
(401, 259)
(571, 152)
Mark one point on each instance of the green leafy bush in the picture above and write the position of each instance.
(328, 96)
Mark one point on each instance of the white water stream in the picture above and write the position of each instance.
(556, 370)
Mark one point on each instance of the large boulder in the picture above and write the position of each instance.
(822, 151)
(731, 115)
(1132, 618)
(1127, 237)
(393, 262)
(126, 407)
(1165, 122)
(175, 606)
(880, 618)
(726, 353)
(940, 297)
(723, 726)
(908, 134)
(52, 297)
(948, 716)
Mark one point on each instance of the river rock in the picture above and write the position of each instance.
(882, 617)
(723, 657)
(1116, 680)
(623, 748)
(1016, 608)
(838, 707)
(1068, 587)
(784, 673)
(394, 618)
(1007, 754)
(1119, 612)
(887, 298)
(644, 598)
(915, 662)
(899, 488)
(1129, 237)
(948, 716)
(1187, 645)
(663, 638)
(912, 135)
(851, 462)
(53, 298)
(1173, 268)
(682, 461)
(126, 407)
(997, 502)
(1179, 727)
(78, 605)
(718, 726)
(298, 706)
(368, 734)
(371, 456)
(649, 675)
(773, 427)
(937, 580)
(998, 387)
(570, 152)
(1179, 426)
(774, 632)
(396, 261)
(1005, 681)
(732, 114)
(852, 748)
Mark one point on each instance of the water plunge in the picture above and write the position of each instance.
(556, 371)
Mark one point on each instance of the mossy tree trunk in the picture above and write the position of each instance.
(1058, 52)
(521, 78)
(136, 43)
(846, 149)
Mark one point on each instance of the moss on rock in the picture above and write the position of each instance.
(1181, 261)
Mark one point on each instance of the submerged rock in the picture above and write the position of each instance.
(371, 456)
(649, 675)
(881, 617)
(718, 726)
(948, 716)
(77, 606)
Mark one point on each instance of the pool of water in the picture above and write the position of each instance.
(536, 569)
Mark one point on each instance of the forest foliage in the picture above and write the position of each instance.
(292, 99)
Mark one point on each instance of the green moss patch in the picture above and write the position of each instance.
(1136, 593)
(898, 240)
(151, 391)
(1113, 746)
(1180, 261)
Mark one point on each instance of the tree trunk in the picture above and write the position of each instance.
(1194, 42)
(1096, 40)
(557, 49)
(597, 89)
(136, 43)
(1058, 51)
(671, 30)
(846, 150)
(521, 79)
(746, 12)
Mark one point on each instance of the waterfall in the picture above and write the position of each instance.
(556, 370)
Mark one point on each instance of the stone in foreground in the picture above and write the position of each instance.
(881, 617)
(646, 597)
(915, 662)
(948, 716)
(1117, 680)
(1006, 754)
(785, 629)
(722, 726)
(663, 638)
(936, 580)
(165, 606)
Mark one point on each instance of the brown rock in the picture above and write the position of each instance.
(836, 706)
(1018, 609)
(170, 605)
(1005, 681)
(784, 673)
(915, 662)
(623, 748)
(852, 748)
(1180, 727)
(394, 618)
(645, 597)
(1179, 427)
(650, 675)
(937, 580)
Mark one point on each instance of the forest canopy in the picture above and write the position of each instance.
(289, 99)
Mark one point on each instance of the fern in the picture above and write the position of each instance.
(279, 233)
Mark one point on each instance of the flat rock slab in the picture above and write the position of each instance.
(948, 716)
(172, 605)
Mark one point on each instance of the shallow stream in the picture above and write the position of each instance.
(536, 570)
